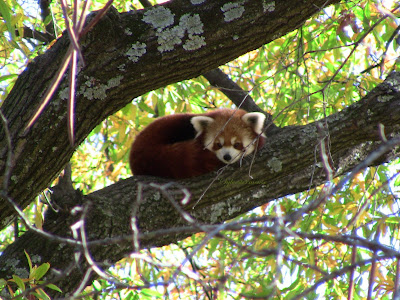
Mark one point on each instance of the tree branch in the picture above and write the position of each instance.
(37, 35)
(123, 60)
(235, 93)
(276, 172)
(115, 72)
(46, 16)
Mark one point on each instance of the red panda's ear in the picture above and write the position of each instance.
(255, 120)
(200, 123)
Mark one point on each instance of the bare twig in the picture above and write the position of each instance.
(334, 275)
(134, 219)
(75, 32)
(324, 150)
(373, 266)
(385, 147)
(350, 294)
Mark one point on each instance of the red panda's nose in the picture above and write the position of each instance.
(227, 157)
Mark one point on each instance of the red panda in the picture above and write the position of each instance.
(187, 145)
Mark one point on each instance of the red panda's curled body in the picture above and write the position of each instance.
(187, 145)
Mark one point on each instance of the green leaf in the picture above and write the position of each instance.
(43, 294)
(393, 220)
(146, 108)
(161, 108)
(214, 243)
(151, 293)
(6, 13)
(28, 258)
(132, 296)
(97, 285)
(54, 287)
(20, 283)
(3, 283)
(40, 294)
(40, 271)
(397, 181)
(7, 77)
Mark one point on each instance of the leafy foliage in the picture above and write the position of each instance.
(332, 61)
(34, 281)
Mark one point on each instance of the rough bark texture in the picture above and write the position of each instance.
(110, 79)
(283, 167)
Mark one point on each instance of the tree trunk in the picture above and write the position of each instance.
(116, 71)
(112, 76)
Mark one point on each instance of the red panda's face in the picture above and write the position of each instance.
(229, 137)
(230, 149)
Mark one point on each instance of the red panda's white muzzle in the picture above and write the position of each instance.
(228, 155)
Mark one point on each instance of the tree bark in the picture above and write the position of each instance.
(289, 163)
(123, 60)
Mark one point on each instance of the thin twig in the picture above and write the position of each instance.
(350, 294)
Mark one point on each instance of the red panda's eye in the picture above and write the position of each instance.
(237, 146)
(218, 145)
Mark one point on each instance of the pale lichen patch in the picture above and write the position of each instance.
(194, 42)
(197, 2)
(232, 11)
(115, 81)
(192, 24)
(11, 263)
(64, 93)
(128, 31)
(21, 272)
(275, 164)
(394, 83)
(91, 90)
(169, 37)
(233, 209)
(258, 194)
(384, 98)
(217, 211)
(136, 51)
(159, 17)
(194, 28)
(122, 67)
(268, 6)
(36, 259)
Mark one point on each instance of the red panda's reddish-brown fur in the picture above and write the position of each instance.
(175, 146)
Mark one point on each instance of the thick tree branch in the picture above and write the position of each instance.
(118, 68)
(276, 172)
(46, 17)
(124, 59)
(235, 93)
(232, 90)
